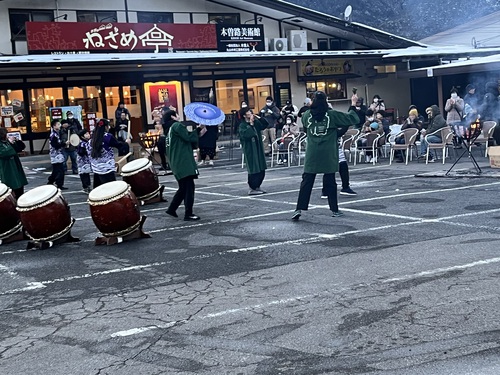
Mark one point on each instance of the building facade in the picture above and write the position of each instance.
(149, 53)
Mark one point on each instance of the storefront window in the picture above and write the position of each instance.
(112, 95)
(13, 111)
(132, 100)
(229, 93)
(40, 102)
(334, 88)
(88, 97)
(258, 90)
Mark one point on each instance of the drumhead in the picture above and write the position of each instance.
(3, 189)
(74, 140)
(37, 195)
(108, 190)
(136, 165)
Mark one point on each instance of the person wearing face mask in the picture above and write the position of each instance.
(454, 117)
(270, 115)
(290, 130)
(74, 125)
(377, 104)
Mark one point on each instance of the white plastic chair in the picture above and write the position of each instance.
(289, 144)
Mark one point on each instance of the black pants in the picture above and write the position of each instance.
(207, 151)
(100, 179)
(162, 149)
(329, 187)
(85, 178)
(57, 175)
(185, 193)
(344, 176)
(255, 179)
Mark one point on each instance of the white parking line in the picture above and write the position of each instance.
(285, 301)
(443, 270)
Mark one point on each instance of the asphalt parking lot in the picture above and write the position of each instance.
(405, 283)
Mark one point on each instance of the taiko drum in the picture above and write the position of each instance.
(10, 222)
(142, 178)
(114, 209)
(44, 213)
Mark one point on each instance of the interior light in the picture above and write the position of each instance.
(139, 65)
(58, 67)
(9, 91)
(125, 93)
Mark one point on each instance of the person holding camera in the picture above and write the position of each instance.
(377, 104)
(11, 170)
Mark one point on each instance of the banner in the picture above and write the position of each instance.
(324, 67)
(163, 96)
(240, 38)
(87, 37)
(60, 113)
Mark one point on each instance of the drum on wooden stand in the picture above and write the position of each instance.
(10, 222)
(143, 180)
(115, 211)
(45, 216)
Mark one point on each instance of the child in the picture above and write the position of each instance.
(83, 160)
(56, 156)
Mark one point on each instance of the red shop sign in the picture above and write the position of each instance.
(84, 37)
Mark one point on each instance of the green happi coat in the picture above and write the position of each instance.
(253, 148)
(11, 170)
(180, 144)
(322, 152)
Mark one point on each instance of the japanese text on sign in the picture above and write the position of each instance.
(108, 36)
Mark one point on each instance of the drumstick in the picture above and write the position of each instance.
(128, 130)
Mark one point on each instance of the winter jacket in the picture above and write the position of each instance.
(270, 115)
(180, 145)
(209, 139)
(361, 112)
(252, 145)
(322, 154)
(454, 110)
(11, 170)
(489, 110)
(437, 121)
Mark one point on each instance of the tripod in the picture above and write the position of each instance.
(468, 150)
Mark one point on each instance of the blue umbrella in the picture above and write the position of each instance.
(204, 113)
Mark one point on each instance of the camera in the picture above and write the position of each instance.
(381, 100)
(354, 90)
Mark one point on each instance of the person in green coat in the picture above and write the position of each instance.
(11, 170)
(250, 132)
(181, 140)
(322, 154)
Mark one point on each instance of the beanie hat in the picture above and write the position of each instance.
(307, 101)
(413, 112)
(269, 98)
(469, 87)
